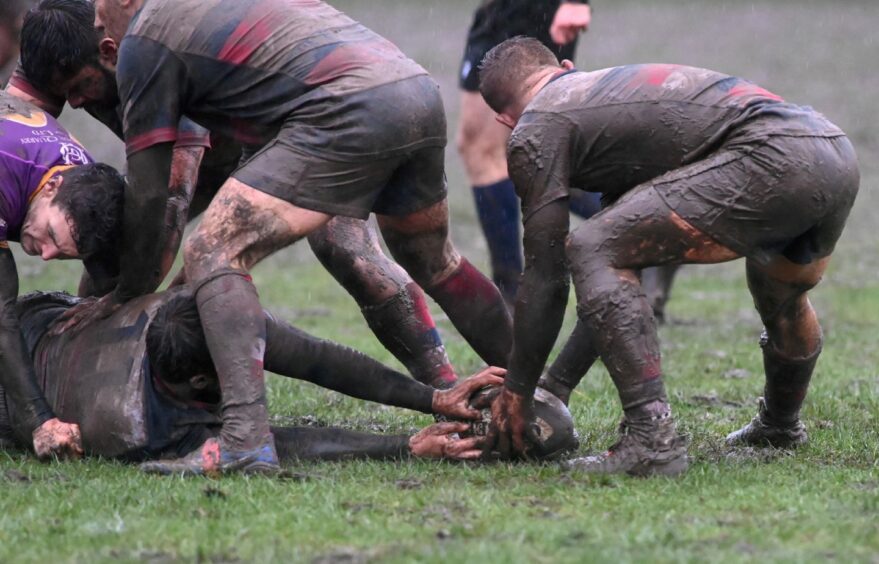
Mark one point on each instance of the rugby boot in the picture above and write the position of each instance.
(645, 448)
(212, 459)
(763, 431)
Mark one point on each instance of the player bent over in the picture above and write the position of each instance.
(700, 167)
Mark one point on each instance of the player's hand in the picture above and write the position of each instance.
(56, 438)
(570, 20)
(455, 402)
(441, 440)
(512, 426)
(88, 311)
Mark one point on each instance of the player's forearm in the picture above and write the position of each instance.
(16, 371)
(543, 294)
(146, 200)
(184, 177)
(309, 443)
(294, 353)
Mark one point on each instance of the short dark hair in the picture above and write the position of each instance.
(58, 39)
(92, 196)
(504, 70)
(175, 341)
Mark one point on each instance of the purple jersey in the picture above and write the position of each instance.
(33, 146)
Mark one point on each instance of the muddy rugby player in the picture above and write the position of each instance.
(149, 365)
(58, 204)
(336, 120)
(141, 385)
(695, 167)
(64, 58)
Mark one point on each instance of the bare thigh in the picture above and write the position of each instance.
(242, 226)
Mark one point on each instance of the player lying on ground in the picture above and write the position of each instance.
(58, 204)
(696, 167)
(142, 386)
(64, 58)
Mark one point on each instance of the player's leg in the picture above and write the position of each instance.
(482, 143)
(394, 306)
(605, 254)
(657, 283)
(791, 343)
(420, 242)
(241, 226)
(330, 443)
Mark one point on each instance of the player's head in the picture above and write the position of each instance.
(63, 53)
(554, 425)
(510, 70)
(113, 16)
(178, 352)
(76, 214)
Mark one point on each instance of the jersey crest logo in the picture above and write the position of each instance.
(73, 154)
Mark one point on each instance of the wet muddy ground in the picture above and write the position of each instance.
(734, 504)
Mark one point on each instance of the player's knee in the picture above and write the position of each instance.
(582, 245)
(199, 257)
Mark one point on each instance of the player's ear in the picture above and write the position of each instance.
(108, 52)
(567, 64)
(50, 188)
(199, 382)
(506, 119)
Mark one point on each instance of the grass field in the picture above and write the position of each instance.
(819, 503)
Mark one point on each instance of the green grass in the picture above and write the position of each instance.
(818, 503)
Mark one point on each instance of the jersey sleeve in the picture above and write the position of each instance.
(191, 134)
(538, 158)
(151, 84)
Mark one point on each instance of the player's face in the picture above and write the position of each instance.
(46, 232)
(91, 86)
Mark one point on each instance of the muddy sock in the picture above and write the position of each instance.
(476, 308)
(498, 209)
(235, 330)
(575, 359)
(584, 204)
(787, 381)
(405, 327)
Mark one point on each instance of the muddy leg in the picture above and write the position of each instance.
(575, 359)
(605, 254)
(420, 243)
(394, 306)
(241, 227)
(791, 345)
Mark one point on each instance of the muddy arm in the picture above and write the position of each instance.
(16, 370)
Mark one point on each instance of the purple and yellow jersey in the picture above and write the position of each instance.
(609, 130)
(33, 147)
(242, 68)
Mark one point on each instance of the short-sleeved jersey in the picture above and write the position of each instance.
(608, 131)
(242, 68)
(33, 147)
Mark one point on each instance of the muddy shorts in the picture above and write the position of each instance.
(785, 194)
(381, 150)
(494, 23)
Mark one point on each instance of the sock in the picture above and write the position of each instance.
(235, 330)
(476, 308)
(405, 327)
(498, 209)
(787, 381)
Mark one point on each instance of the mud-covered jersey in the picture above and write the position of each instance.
(608, 131)
(242, 68)
(33, 147)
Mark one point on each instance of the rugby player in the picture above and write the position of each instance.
(694, 166)
(336, 121)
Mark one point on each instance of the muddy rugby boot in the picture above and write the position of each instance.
(763, 431)
(645, 448)
(212, 459)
